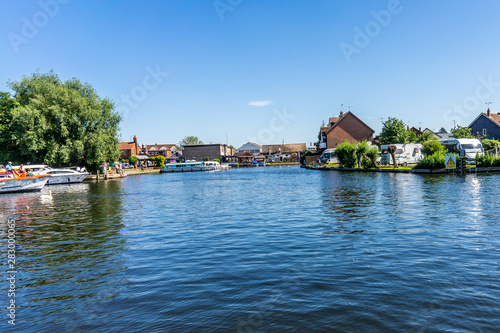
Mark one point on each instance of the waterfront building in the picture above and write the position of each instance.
(250, 147)
(166, 150)
(208, 152)
(129, 149)
(486, 125)
(345, 127)
(289, 152)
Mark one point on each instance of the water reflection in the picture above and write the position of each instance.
(70, 249)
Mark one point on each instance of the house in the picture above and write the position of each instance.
(165, 150)
(245, 158)
(208, 152)
(249, 147)
(486, 125)
(129, 149)
(284, 152)
(345, 127)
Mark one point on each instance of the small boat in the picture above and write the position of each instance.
(59, 175)
(193, 166)
(11, 182)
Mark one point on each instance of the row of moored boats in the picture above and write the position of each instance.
(35, 177)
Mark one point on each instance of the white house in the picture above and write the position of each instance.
(249, 147)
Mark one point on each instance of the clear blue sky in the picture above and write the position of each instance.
(234, 65)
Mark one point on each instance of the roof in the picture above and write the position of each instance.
(127, 145)
(287, 147)
(162, 147)
(333, 119)
(494, 117)
(244, 154)
(343, 117)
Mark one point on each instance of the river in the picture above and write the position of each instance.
(275, 249)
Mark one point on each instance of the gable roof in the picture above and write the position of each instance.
(343, 117)
(494, 117)
(127, 145)
(249, 144)
(162, 147)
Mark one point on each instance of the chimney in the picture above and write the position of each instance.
(420, 129)
(135, 139)
(407, 127)
(488, 112)
(341, 113)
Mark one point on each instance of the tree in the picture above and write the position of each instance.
(490, 144)
(59, 122)
(426, 136)
(394, 131)
(372, 154)
(132, 160)
(361, 150)
(190, 140)
(433, 146)
(442, 130)
(460, 132)
(346, 153)
(412, 137)
(7, 147)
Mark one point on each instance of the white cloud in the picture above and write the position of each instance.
(259, 103)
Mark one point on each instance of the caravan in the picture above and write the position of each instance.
(408, 153)
(329, 157)
(469, 147)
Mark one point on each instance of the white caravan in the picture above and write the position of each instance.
(408, 153)
(470, 147)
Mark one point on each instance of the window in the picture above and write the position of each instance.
(484, 131)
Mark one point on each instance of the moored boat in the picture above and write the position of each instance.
(59, 175)
(11, 182)
(193, 166)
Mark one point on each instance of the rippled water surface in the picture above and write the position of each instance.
(257, 250)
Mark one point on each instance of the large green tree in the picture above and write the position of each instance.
(190, 140)
(7, 147)
(59, 122)
(394, 131)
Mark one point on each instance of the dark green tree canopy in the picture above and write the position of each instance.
(394, 131)
(57, 122)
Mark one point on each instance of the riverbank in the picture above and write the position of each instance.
(408, 170)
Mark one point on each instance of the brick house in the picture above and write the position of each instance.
(284, 152)
(486, 125)
(345, 127)
(129, 149)
(165, 150)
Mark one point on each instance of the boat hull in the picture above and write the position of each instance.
(23, 185)
(69, 178)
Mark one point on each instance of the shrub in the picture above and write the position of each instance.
(434, 161)
(487, 160)
(216, 160)
(346, 153)
(133, 160)
(490, 144)
(361, 149)
(371, 161)
(433, 146)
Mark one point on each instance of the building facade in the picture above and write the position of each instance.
(129, 149)
(345, 127)
(208, 152)
(486, 126)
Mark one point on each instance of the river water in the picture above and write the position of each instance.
(275, 249)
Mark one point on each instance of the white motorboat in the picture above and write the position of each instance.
(11, 182)
(58, 175)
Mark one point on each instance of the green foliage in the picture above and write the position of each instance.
(394, 131)
(460, 132)
(7, 146)
(371, 158)
(487, 160)
(361, 149)
(55, 122)
(434, 161)
(132, 160)
(412, 137)
(442, 130)
(216, 160)
(433, 146)
(490, 144)
(158, 160)
(426, 136)
(346, 153)
(190, 140)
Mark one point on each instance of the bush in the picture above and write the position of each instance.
(434, 161)
(371, 158)
(133, 160)
(487, 160)
(346, 153)
(490, 144)
(216, 160)
(433, 146)
(361, 149)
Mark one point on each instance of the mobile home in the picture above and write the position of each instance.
(408, 153)
(469, 147)
(329, 157)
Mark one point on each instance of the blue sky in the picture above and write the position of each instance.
(262, 70)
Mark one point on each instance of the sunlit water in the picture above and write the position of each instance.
(257, 250)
